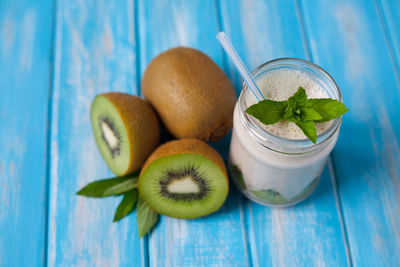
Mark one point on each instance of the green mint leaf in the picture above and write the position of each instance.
(308, 128)
(328, 108)
(146, 218)
(127, 205)
(288, 114)
(295, 118)
(300, 110)
(298, 99)
(268, 111)
(309, 114)
(110, 187)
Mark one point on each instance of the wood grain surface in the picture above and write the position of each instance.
(25, 72)
(95, 52)
(366, 157)
(55, 56)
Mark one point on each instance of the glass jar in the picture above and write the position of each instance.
(273, 170)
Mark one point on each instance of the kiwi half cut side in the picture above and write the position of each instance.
(126, 130)
(184, 179)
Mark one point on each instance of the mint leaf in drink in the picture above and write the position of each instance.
(296, 104)
(299, 110)
(328, 108)
(268, 111)
(289, 115)
(298, 99)
(308, 128)
(110, 187)
(127, 205)
(146, 218)
(309, 114)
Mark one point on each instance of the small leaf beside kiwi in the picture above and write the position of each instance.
(146, 218)
(109, 187)
(127, 205)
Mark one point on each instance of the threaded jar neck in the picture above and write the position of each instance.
(281, 144)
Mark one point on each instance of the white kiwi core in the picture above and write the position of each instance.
(109, 135)
(183, 185)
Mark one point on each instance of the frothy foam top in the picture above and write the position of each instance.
(279, 85)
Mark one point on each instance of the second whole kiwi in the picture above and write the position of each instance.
(192, 95)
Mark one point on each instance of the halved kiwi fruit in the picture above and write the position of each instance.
(185, 179)
(126, 130)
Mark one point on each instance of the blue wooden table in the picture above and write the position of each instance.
(55, 56)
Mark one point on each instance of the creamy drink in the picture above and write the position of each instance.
(275, 164)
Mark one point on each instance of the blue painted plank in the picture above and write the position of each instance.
(309, 233)
(390, 18)
(347, 39)
(219, 239)
(94, 53)
(25, 51)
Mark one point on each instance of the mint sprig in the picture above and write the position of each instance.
(300, 110)
(146, 218)
(268, 111)
(127, 205)
(126, 186)
(110, 186)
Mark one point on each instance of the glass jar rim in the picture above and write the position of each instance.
(283, 144)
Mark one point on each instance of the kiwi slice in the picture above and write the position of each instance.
(269, 195)
(126, 130)
(237, 175)
(185, 179)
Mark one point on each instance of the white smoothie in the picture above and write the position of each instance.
(268, 176)
(281, 84)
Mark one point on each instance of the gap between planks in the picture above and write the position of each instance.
(52, 59)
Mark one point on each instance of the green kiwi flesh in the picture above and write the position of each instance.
(183, 186)
(110, 134)
(126, 130)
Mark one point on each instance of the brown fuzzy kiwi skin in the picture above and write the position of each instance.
(192, 95)
(184, 146)
(143, 131)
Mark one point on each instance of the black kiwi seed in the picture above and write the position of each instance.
(114, 151)
(191, 171)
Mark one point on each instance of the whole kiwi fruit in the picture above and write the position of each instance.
(184, 178)
(192, 95)
(126, 130)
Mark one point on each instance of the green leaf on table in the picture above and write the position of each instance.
(328, 108)
(127, 205)
(308, 128)
(268, 111)
(110, 187)
(146, 218)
